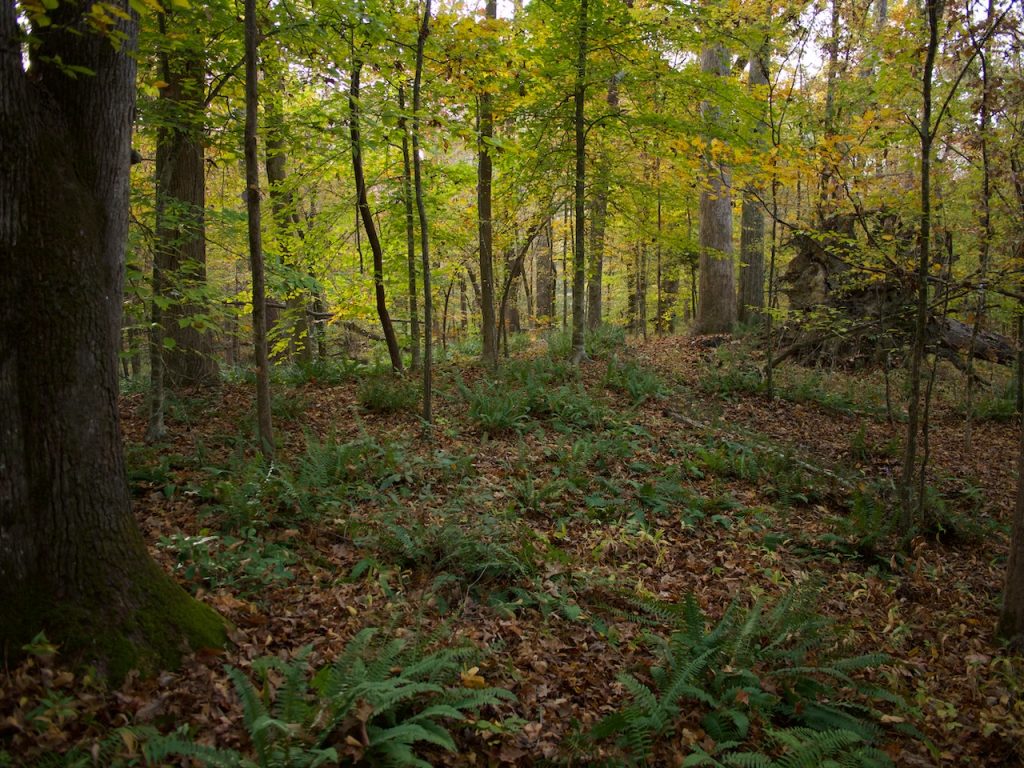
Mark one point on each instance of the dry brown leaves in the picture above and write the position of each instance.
(934, 614)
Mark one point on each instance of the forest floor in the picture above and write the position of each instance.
(536, 533)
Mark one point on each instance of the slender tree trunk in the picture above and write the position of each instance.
(264, 424)
(72, 560)
(599, 220)
(410, 234)
(363, 205)
(545, 270)
(751, 292)
(485, 176)
(421, 209)
(826, 193)
(925, 130)
(463, 308)
(716, 306)
(156, 430)
(985, 222)
(579, 352)
(565, 271)
(1011, 615)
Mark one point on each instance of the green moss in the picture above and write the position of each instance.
(163, 623)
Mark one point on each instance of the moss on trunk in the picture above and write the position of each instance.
(148, 626)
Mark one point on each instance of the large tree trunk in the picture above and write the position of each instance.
(72, 560)
(716, 301)
(188, 358)
(598, 219)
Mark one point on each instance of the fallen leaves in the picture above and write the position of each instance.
(933, 614)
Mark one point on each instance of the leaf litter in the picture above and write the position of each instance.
(592, 531)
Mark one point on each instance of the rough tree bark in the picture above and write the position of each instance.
(72, 561)
(716, 301)
(181, 224)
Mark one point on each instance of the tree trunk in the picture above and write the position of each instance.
(72, 561)
(187, 360)
(287, 225)
(421, 209)
(716, 304)
(579, 351)
(546, 277)
(410, 234)
(363, 206)
(985, 224)
(598, 221)
(925, 130)
(484, 178)
(751, 292)
(264, 425)
(1011, 616)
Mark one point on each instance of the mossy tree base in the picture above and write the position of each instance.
(72, 561)
(147, 627)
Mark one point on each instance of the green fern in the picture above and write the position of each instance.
(780, 666)
(372, 706)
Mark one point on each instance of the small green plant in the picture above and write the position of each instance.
(600, 342)
(572, 406)
(634, 380)
(247, 564)
(320, 371)
(859, 448)
(666, 493)
(728, 459)
(490, 551)
(384, 392)
(288, 406)
(373, 706)
(769, 669)
(330, 474)
(605, 340)
(997, 404)
(493, 408)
